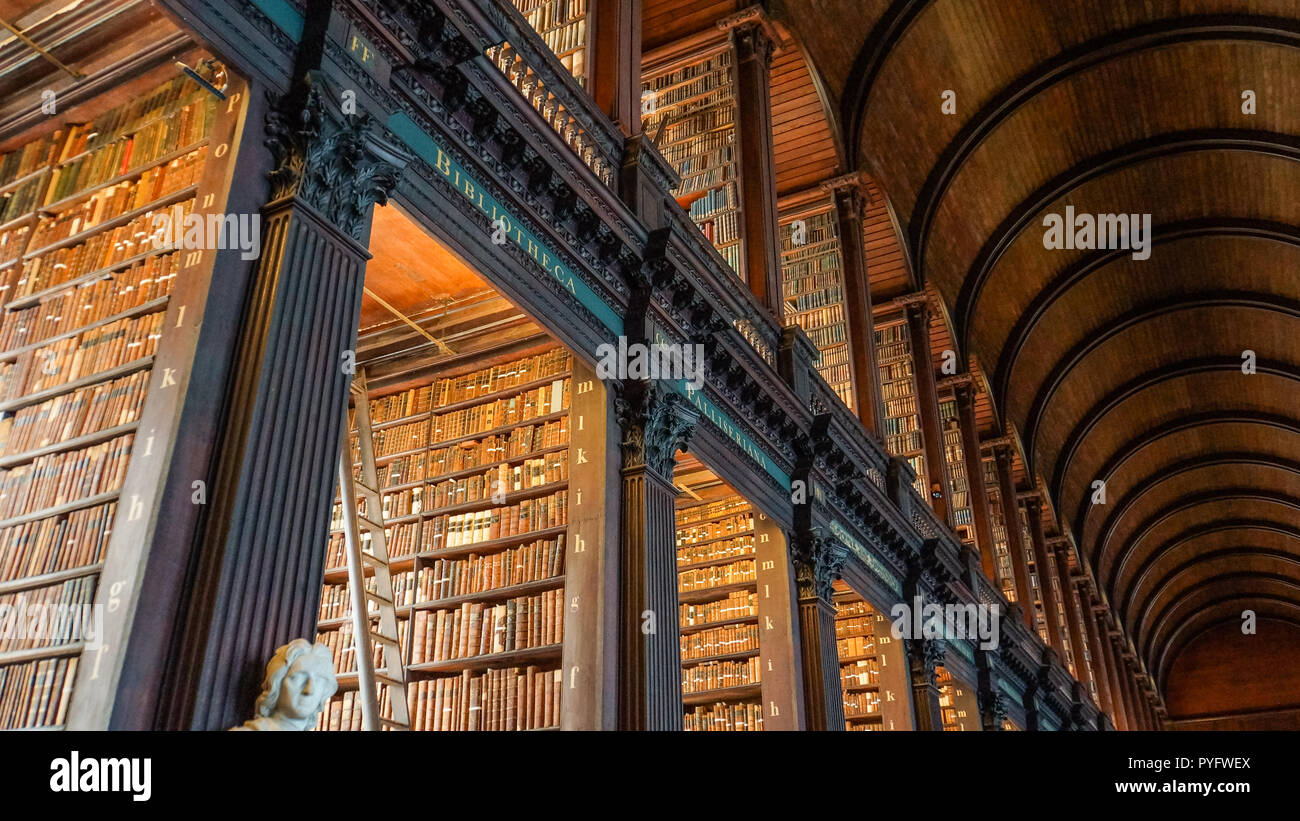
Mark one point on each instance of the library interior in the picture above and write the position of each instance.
(358, 399)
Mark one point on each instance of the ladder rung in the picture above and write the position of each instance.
(370, 523)
(375, 597)
(395, 725)
(383, 638)
(365, 487)
(389, 680)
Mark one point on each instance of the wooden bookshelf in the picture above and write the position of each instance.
(963, 519)
(718, 615)
(812, 285)
(1006, 575)
(952, 709)
(898, 394)
(562, 25)
(1035, 577)
(474, 480)
(85, 295)
(872, 671)
(689, 108)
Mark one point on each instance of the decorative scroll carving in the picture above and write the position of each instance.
(331, 163)
(656, 423)
(818, 560)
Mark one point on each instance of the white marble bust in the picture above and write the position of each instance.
(299, 682)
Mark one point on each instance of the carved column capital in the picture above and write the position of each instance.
(926, 657)
(327, 159)
(656, 423)
(752, 33)
(818, 560)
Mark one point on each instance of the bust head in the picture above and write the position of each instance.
(299, 682)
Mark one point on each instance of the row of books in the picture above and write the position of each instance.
(526, 406)
(861, 704)
(49, 616)
(901, 407)
(56, 543)
(730, 525)
(69, 415)
(846, 626)
(813, 292)
(860, 673)
(90, 352)
(130, 194)
(903, 443)
(853, 646)
(403, 540)
(530, 515)
(696, 514)
(163, 136)
(514, 698)
(542, 559)
(900, 387)
(906, 423)
(564, 34)
(716, 576)
(13, 241)
(60, 313)
(740, 604)
(718, 675)
(694, 554)
(469, 386)
(100, 251)
(532, 473)
(479, 629)
(521, 441)
(828, 335)
(719, 641)
(724, 717)
(31, 157)
(104, 207)
(398, 439)
(128, 118)
(22, 200)
(36, 693)
(59, 478)
(343, 646)
(344, 711)
(718, 201)
(698, 145)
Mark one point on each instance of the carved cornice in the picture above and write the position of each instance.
(329, 161)
(818, 560)
(656, 423)
(957, 380)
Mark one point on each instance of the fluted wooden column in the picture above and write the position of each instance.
(1100, 666)
(817, 562)
(1113, 672)
(964, 393)
(1051, 608)
(1016, 547)
(656, 423)
(255, 583)
(850, 193)
(1069, 597)
(939, 492)
(754, 40)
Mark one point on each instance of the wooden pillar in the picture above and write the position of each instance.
(817, 561)
(1126, 685)
(1078, 636)
(614, 55)
(255, 583)
(1100, 666)
(1015, 546)
(924, 657)
(1051, 608)
(850, 193)
(917, 308)
(655, 423)
(1115, 673)
(754, 40)
(964, 393)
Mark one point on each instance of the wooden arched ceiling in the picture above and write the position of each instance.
(805, 147)
(1113, 369)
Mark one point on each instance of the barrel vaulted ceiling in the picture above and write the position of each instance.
(1110, 368)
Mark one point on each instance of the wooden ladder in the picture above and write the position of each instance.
(365, 636)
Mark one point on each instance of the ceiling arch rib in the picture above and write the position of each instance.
(1206, 463)
(1066, 66)
(1145, 381)
(1232, 558)
(1163, 235)
(1126, 156)
(1223, 605)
